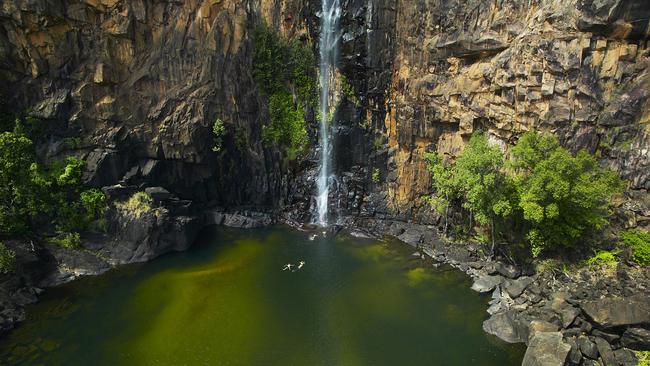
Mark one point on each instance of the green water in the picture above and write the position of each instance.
(228, 302)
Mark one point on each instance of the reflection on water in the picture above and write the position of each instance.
(228, 302)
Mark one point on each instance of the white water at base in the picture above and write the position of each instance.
(329, 36)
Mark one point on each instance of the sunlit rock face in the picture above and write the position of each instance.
(141, 82)
(575, 68)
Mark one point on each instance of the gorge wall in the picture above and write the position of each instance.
(435, 71)
(141, 82)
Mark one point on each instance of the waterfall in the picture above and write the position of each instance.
(329, 36)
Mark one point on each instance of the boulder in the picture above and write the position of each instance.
(636, 338)
(575, 356)
(609, 337)
(625, 357)
(515, 288)
(587, 347)
(507, 270)
(546, 349)
(486, 283)
(507, 326)
(606, 353)
(540, 326)
(158, 193)
(615, 311)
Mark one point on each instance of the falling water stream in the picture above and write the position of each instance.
(329, 36)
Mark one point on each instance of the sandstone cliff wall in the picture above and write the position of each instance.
(576, 68)
(141, 83)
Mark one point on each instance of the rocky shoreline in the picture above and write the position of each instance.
(582, 318)
(589, 317)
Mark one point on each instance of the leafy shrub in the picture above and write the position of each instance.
(138, 205)
(7, 259)
(67, 240)
(643, 358)
(17, 194)
(348, 90)
(219, 131)
(71, 142)
(285, 72)
(376, 175)
(29, 127)
(603, 258)
(287, 125)
(639, 242)
(560, 195)
(549, 197)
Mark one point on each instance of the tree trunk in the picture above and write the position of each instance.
(446, 214)
(492, 233)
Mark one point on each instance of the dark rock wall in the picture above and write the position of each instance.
(141, 83)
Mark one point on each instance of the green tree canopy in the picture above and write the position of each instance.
(554, 197)
(560, 195)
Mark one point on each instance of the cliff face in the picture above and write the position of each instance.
(141, 83)
(576, 68)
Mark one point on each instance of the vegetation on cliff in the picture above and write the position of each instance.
(639, 242)
(541, 194)
(284, 72)
(139, 204)
(7, 259)
(38, 195)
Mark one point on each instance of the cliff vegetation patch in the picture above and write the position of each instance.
(541, 194)
(35, 194)
(285, 73)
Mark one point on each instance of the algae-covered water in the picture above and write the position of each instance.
(227, 301)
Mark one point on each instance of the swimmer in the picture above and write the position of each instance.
(301, 264)
(287, 266)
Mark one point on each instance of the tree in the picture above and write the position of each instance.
(16, 188)
(444, 184)
(479, 176)
(476, 178)
(560, 195)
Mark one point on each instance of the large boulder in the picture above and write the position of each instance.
(616, 311)
(486, 283)
(636, 338)
(606, 353)
(515, 288)
(587, 347)
(508, 326)
(546, 349)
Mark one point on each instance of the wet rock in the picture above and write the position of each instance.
(636, 338)
(411, 236)
(546, 349)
